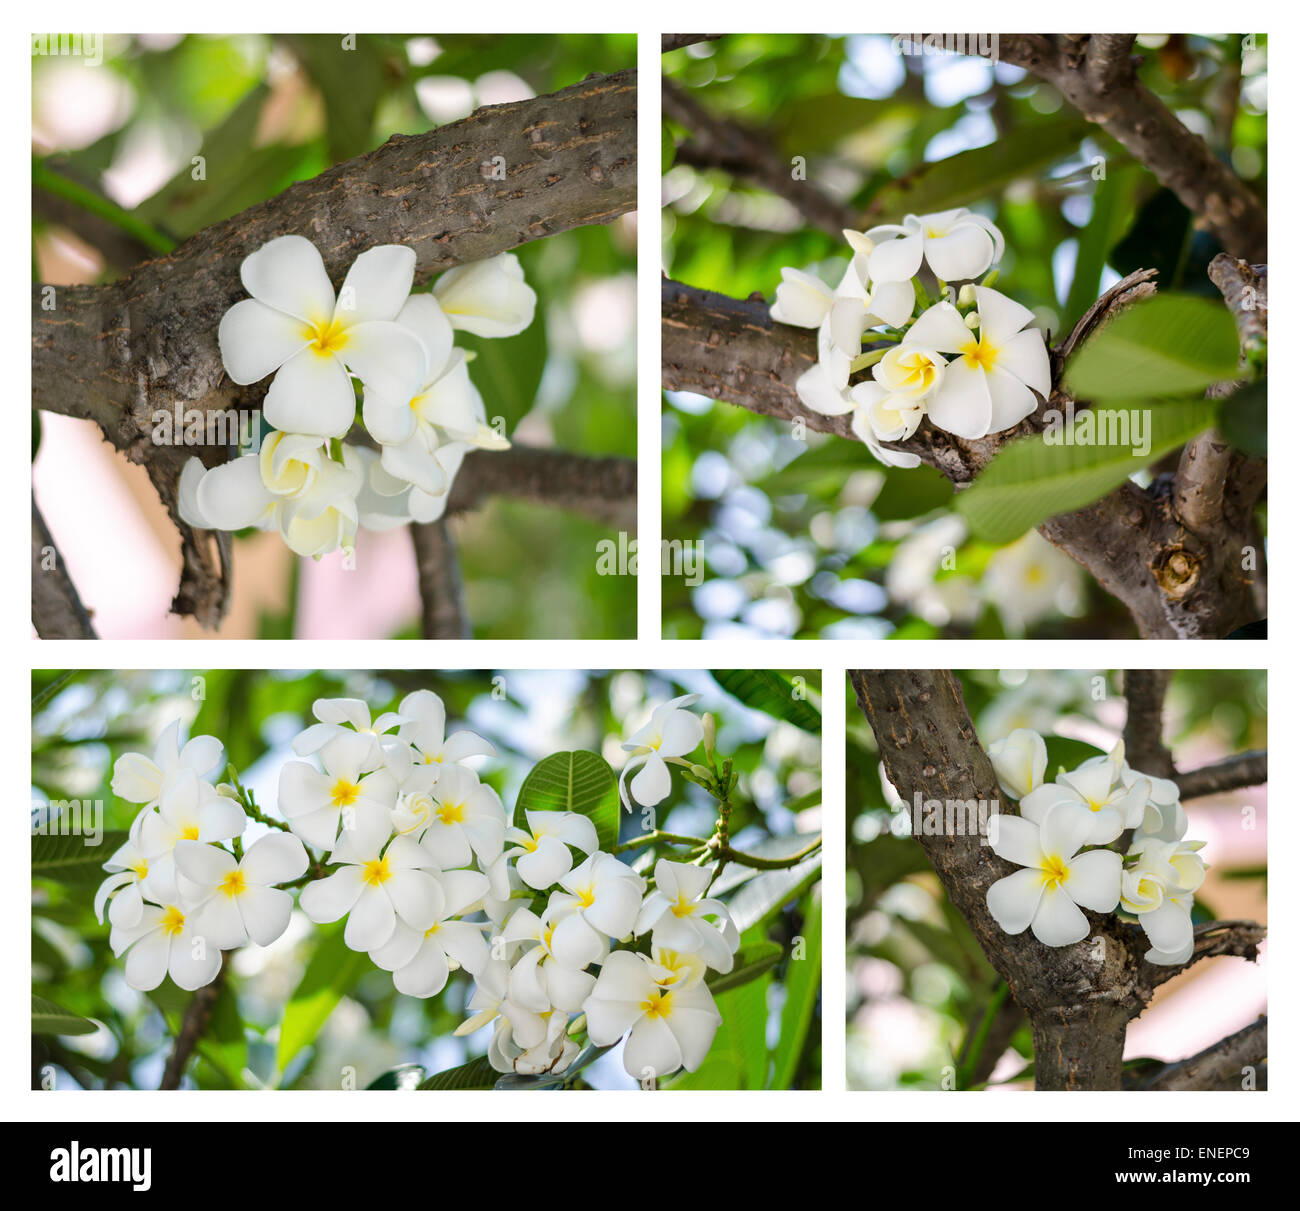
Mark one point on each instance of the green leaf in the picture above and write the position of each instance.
(508, 372)
(1113, 209)
(404, 1076)
(762, 897)
(331, 972)
(802, 985)
(477, 1074)
(772, 693)
(69, 859)
(750, 962)
(1243, 418)
(1030, 481)
(49, 1018)
(1170, 345)
(910, 492)
(982, 172)
(574, 782)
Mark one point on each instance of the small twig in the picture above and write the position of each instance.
(442, 606)
(57, 612)
(1232, 773)
(668, 42)
(1220, 1066)
(197, 1016)
(724, 144)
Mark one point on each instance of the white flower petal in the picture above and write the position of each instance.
(255, 340)
(311, 394)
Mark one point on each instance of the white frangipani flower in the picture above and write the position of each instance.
(351, 791)
(671, 732)
(670, 1028)
(189, 810)
(957, 245)
(376, 887)
(345, 716)
(1020, 761)
(601, 900)
(870, 405)
(421, 961)
(539, 980)
(1058, 880)
(542, 852)
(128, 869)
(232, 901)
(1095, 792)
(1158, 886)
(424, 728)
(294, 328)
(141, 779)
(487, 298)
(468, 821)
(989, 382)
(678, 916)
(164, 942)
(803, 300)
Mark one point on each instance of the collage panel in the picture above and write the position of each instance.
(1057, 880)
(439, 880)
(372, 300)
(957, 344)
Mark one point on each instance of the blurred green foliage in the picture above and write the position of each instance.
(796, 540)
(308, 1013)
(911, 955)
(265, 111)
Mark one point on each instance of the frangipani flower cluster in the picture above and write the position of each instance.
(385, 825)
(397, 348)
(968, 360)
(1062, 839)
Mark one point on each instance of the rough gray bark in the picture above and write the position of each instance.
(442, 605)
(1224, 1065)
(1232, 773)
(1175, 582)
(119, 353)
(1078, 998)
(1097, 74)
(57, 612)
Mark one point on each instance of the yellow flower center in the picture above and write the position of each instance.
(980, 354)
(451, 813)
(173, 921)
(190, 832)
(1035, 575)
(586, 896)
(433, 929)
(658, 1005)
(683, 907)
(1055, 872)
(327, 338)
(416, 401)
(344, 793)
(141, 869)
(376, 872)
(530, 844)
(917, 371)
(233, 883)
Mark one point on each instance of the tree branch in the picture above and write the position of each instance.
(197, 1016)
(1220, 1066)
(57, 612)
(1096, 74)
(119, 354)
(720, 143)
(603, 489)
(442, 610)
(1144, 745)
(670, 42)
(1232, 773)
